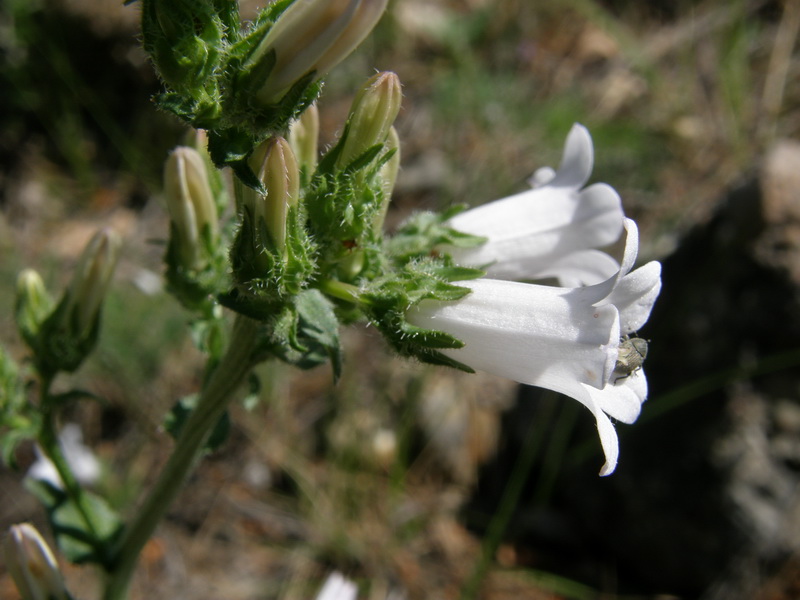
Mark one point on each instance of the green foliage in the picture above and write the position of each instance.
(196, 289)
(85, 528)
(387, 299)
(19, 421)
(344, 206)
(303, 332)
(62, 345)
(421, 233)
(202, 53)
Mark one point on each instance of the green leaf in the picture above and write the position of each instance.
(319, 328)
(81, 542)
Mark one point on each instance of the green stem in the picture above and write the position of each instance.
(340, 290)
(214, 399)
(48, 441)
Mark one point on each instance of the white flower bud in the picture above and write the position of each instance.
(374, 109)
(275, 165)
(89, 285)
(32, 565)
(190, 203)
(313, 36)
(304, 136)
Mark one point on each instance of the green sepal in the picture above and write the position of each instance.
(186, 40)
(196, 289)
(79, 542)
(201, 53)
(200, 113)
(181, 411)
(244, 125)
(422, 232)
(387, 300)
(228, 13)
(254, 307)
(230, 147)
(268, 274)
(61, 346)
(342, 205)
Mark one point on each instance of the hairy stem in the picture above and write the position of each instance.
(226, 378)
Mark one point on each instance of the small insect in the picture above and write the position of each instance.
(632, 352)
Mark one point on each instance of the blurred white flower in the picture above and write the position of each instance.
(338, 587)
(81, 459)
(552, 230)
(564, 339)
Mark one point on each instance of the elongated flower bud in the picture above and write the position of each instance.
(89, 285)
(276, 167)
(191, 206)
(388, 175)
(33, 305)
(303, 138)
(374, 109)
(32, 565)
(271, 256)
(70, 332)
(312, 36)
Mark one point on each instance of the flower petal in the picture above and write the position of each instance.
(605, 428)
(609, 441)
(577, 161)
(530, 231)
(635, 296)
(587, 267)
(605, 288)
(540, 335)
(622, 400)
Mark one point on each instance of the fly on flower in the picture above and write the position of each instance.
(632, 352)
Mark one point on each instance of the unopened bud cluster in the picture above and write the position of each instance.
(246, 82)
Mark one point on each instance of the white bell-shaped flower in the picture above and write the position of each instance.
(552, 230)
(564, 339)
